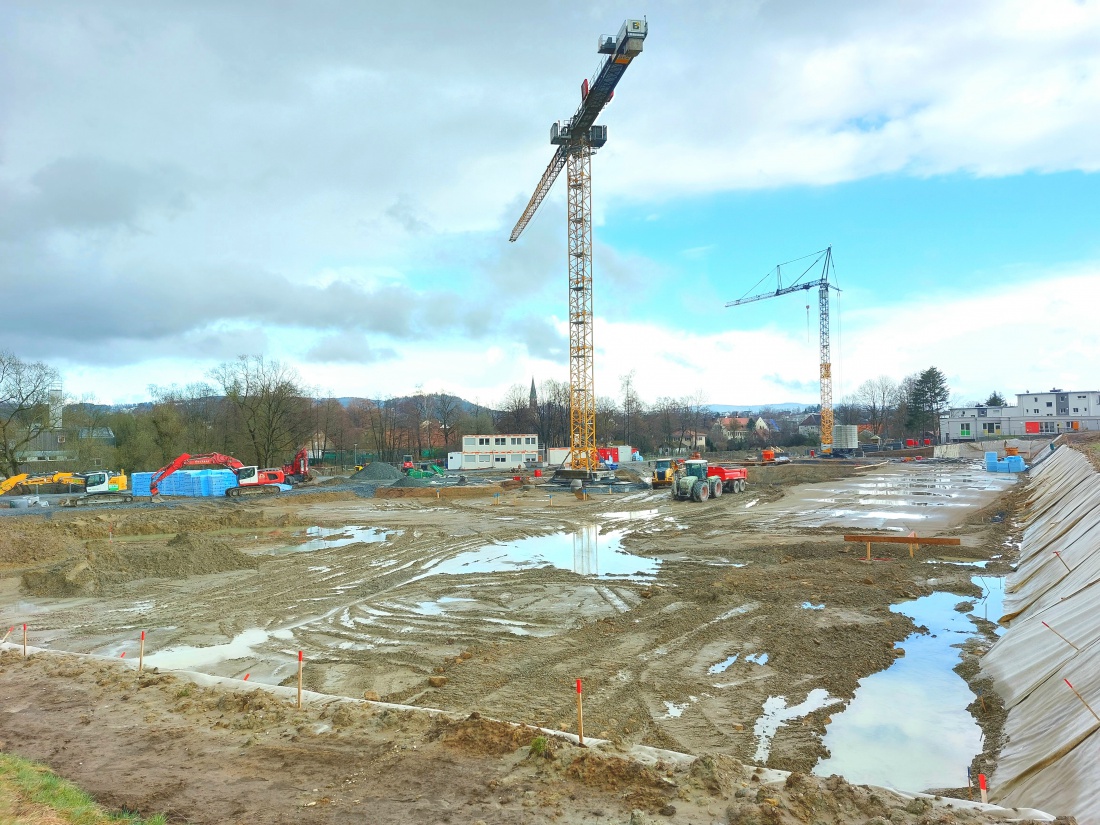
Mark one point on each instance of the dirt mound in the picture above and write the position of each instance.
(378, 471)
(32, 543)
(405, 481)
(485, 736)
(106, 566)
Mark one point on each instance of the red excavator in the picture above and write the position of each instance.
(250, 480)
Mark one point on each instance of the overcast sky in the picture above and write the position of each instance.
(333, 184)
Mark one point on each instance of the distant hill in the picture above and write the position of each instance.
(755, 408)
(463, 405)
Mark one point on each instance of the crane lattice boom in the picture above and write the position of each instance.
(576, 139)
(825, 257)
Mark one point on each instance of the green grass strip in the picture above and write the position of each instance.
(33, 782)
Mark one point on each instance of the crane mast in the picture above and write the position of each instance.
(823, 285)
(576, 140)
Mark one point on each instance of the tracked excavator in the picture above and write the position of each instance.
(251, 480)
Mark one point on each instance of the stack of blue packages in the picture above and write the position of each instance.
(1010, 464)
(191, 483)
(139, 483)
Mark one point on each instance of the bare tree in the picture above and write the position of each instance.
(631, 404)
(515, 409)
(878, 397)
(24, 405)
(270, 405)
(445, 408)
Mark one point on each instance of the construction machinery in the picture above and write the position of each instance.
(665, 471)
(576, 139)
(425, 470)
(700, 480)
(823, 284)
(251, 480)
(407, 462)
(103, 487)
(11, 482)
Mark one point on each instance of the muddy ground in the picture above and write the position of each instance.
(452, 609)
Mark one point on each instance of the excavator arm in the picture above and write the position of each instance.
(187, 460)
(12, 482)
(299, 465)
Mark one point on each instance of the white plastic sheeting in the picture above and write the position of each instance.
(1052, 755)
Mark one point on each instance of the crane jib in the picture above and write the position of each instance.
(577, 131)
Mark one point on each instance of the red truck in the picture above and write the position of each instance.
(700, 481)
(734, 479)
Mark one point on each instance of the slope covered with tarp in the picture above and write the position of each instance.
(1052, 647)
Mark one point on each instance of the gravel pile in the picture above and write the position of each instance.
(405, 481)
(378, 471)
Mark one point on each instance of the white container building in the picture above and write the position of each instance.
(504, 451)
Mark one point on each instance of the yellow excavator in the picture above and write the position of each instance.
(95, 482)
(12, 482)
(664, 472)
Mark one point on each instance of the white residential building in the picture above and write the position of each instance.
(1035, 413)
(504, 451)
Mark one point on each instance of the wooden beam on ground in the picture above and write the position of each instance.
(912, 540)
(905, 540)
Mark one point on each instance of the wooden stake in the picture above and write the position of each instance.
(580, 715)
(969, 784)
(981, 698)
(912, 535)
(24, 640)
(1060, 636)
(1079, 696)
(868, 551)
(10, 631)
(1059, 555)
(984, 788)
(141, 653)
(299, 680)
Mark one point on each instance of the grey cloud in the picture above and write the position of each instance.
(348, 349)
(81, 193)
(541, 338)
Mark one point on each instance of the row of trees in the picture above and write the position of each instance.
(261, 411)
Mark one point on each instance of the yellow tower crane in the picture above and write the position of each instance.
(825, 258)
(576, 139)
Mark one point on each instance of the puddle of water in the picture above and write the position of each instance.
(187, 657)
(960, 563)
(907, 726)
(438, 607)
(724, 665)
(632, 515)
(812, 606)
(589, 551)
(757, 658)
(776, 713)
(675, 711)
(322, 538)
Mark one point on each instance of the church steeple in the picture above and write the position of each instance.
(534, 396)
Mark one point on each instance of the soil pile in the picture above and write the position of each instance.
(32, 542)
(405, 481)
(378, 471)
(106, 566)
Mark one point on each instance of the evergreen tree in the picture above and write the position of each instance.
(995, 400)
(928, 398)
